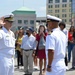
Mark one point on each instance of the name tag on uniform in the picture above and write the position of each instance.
(7, 36)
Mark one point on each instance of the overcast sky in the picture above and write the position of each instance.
(7, 6)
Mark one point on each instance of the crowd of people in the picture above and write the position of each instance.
(52, 45)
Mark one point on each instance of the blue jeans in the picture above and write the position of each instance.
(70, 47)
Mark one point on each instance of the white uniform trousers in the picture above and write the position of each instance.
(6, 65)
(58, 67)
(62, 72)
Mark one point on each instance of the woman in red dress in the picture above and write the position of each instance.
(41, 36)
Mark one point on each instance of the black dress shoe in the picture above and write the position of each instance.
(73, 68)
(26, 74)
(18, 67)
(30, 74)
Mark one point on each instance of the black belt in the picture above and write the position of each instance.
(27, 49)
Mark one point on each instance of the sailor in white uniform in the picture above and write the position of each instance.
(7, 46)
(55, 47)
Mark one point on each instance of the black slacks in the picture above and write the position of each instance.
(19, 58)
(66, 60)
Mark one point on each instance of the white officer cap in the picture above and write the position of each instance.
(53, 18)
(8, 17)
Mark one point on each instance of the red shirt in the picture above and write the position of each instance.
(70, 36)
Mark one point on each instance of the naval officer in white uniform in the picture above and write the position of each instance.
(55, 47)
(7, 46)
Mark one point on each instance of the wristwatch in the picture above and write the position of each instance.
(48, 66)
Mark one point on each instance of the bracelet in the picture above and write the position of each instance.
(48, 66)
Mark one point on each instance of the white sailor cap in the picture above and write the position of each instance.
(53, 18)
(8, 17)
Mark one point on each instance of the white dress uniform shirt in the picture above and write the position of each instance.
(28, 42)
(7, 50)
(57, 42)
(7, 42)
(66, 32)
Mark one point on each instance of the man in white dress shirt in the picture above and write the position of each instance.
(28, 45)
(7, 46)
(62, 27)
(55, 47)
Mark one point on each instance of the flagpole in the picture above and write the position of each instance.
(23, 2)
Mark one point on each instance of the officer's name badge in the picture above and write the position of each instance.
(7, 36)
